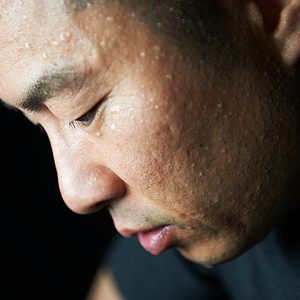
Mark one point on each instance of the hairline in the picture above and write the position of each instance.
(212, 33)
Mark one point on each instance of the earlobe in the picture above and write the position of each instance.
(282, 20)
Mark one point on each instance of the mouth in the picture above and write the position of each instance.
(155, 240)
(158, 240)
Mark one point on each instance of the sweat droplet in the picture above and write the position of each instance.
(216, 199)
(220, 105)
(65, 36)
(102, 43)
(113, 126)
(115, 109)
(142, 54)
(27, 45)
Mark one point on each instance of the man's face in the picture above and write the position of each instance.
(165, 134)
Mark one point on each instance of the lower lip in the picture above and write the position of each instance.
(156, 241)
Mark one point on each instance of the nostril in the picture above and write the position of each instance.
(100, 205)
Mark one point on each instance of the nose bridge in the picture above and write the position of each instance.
(86, 184)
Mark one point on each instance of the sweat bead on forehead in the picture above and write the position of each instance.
(166, 112)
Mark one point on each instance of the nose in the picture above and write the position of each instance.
(86, 184)
(87, 189)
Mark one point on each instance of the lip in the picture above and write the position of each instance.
(157, 240)
(154, 240)
(126, 232)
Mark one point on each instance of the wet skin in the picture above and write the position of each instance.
(155, 129)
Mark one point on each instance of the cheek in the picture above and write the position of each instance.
(172, 152)
(142, 151)
(155, 152)
(144, 144)
(204, 159)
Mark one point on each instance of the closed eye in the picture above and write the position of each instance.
(88, 118)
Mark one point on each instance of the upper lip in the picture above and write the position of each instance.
(127, 232)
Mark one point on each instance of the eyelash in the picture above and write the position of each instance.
(87, 119)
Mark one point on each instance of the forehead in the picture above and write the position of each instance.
(39, 24)
(14, 12)
(25, 27)
(22, 21)
(33, 38)
(35, 33)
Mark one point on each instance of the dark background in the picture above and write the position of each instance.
(48, 252)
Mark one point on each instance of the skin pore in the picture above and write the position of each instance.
(159, 116)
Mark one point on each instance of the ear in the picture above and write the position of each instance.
(282, 20)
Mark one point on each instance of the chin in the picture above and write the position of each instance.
(211, 253)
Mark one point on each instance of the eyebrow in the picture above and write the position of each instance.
(46, 86)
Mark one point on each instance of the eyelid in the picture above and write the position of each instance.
(87, 118)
